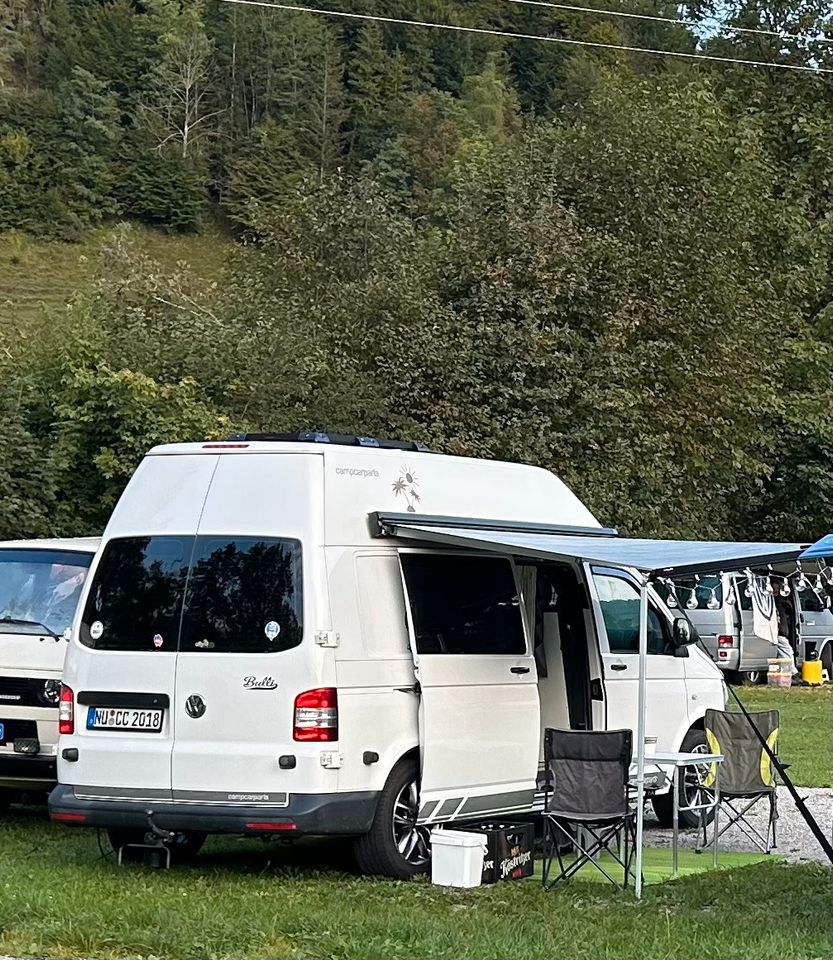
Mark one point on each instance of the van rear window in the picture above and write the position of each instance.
(196, 594)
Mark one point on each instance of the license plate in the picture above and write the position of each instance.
(125, 718)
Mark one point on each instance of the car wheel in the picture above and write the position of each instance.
(690, 790)
(395, 846)
(184, 847)
(752, 678)
(827, 661)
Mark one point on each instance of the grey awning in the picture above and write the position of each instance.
(663, 557)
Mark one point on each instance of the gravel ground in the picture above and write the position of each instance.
(794, 840)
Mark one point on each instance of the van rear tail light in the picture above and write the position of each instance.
(316, 715)
(724, 641)
(66, 710)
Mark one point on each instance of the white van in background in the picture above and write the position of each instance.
(40, 584)
(251, 657)
(722, 615)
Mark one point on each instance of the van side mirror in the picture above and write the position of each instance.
(684, 632)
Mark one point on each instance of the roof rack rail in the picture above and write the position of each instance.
(337, 439)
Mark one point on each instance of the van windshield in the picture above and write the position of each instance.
(39, 589)
(196, 594)
(705, 591)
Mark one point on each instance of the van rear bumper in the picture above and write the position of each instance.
(20, 772)
(319, 814)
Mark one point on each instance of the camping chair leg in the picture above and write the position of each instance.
(549, 843)
(738, 818)
(601, 843)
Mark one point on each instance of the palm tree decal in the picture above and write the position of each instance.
(405, 486)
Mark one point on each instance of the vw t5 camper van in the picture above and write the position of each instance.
(40, 584)
(254, 655)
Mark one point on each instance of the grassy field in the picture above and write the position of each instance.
(34, 273)
(59, 898)
(806, 739)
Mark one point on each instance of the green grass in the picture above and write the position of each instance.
(35, 274)
(58, 898)
(806, 739)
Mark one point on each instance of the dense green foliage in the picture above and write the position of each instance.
(614, 265)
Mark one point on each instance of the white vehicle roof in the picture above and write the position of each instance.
(360, 480)
(78, 544)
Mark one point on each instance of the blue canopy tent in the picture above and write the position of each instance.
(820, 550)
(643, 558)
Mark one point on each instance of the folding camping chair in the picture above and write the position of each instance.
(587, 789)
(746, 775)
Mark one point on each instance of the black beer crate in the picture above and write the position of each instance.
(510, 850)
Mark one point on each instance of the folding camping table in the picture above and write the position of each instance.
(677, 761)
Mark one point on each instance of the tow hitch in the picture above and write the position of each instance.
(156, 849)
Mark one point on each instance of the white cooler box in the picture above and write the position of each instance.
(457, 858)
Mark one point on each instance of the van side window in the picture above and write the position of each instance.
(619, 600)
(811, 601)
(464, 605)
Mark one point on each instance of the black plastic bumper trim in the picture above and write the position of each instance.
(319, 814)
(21, 767)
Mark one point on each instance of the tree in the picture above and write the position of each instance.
(380, 85)
(178, 108)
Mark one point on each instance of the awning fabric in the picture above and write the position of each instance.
(820, 549)
(653, 557)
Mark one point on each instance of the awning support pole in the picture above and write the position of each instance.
(640, 728)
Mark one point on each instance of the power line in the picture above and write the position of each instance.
(531, 36)
(806, 38)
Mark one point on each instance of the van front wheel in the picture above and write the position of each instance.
(395, 846)
(689, 777)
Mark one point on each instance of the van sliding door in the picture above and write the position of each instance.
(479, 710)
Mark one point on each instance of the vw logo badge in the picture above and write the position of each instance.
(195, 706)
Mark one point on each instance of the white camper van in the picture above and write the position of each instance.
(40, 584)
(254, 655)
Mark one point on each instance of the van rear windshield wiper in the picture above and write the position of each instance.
(16, 622)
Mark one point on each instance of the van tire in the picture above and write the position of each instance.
(184, 849)
(376, 851)
(693, 742)
(752, 678)
(827, 660)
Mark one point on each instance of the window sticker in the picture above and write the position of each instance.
(272, 629)
(158, 641)
(96, 629)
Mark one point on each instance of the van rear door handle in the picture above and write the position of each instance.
(519, 669)
(618, 666)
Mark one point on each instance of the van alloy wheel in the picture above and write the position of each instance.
(395, 846)
(692, 781)
(411, 840)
